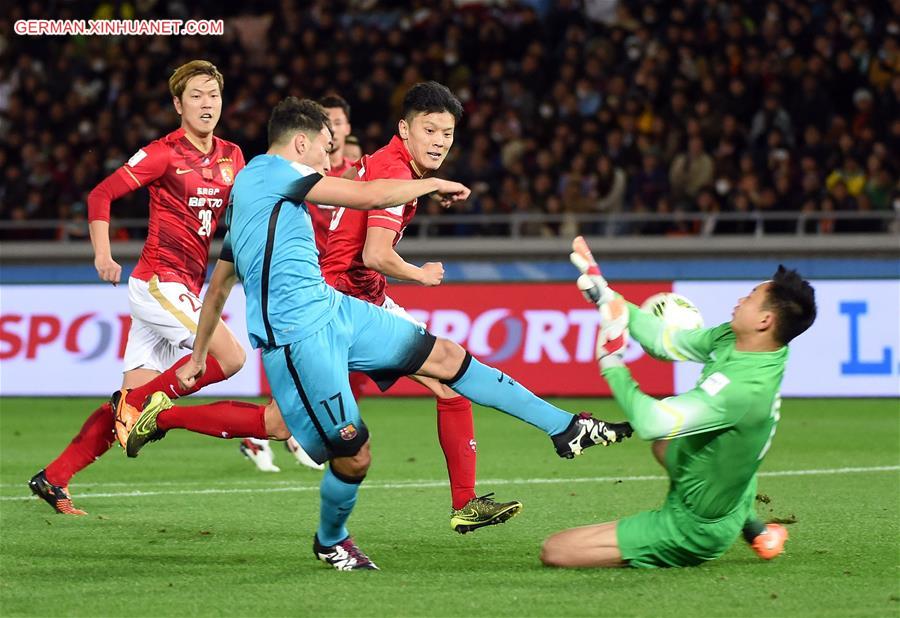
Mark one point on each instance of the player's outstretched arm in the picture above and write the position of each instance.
(383, 193)
(223, 279)
(693, 412)
(379, 255)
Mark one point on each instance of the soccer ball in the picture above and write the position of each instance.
(675, 310)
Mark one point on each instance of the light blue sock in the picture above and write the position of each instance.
(493, 388)
(337, 498)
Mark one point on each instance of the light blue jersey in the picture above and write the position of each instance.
(271, 239)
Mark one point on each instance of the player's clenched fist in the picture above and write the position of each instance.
(190, 372)
(432, 274)
(108, 269)
(449, 192)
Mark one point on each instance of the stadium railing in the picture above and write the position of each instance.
(538, 234)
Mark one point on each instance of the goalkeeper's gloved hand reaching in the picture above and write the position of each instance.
(613, 336)
(591, 282)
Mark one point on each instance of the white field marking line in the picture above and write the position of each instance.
(294, 483)
(436, 484)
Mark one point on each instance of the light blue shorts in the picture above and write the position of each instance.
(310, 381)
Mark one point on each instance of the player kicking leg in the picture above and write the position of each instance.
(715, 436)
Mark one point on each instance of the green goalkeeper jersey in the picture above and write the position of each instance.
(722, 428)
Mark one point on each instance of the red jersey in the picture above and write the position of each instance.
(343, 265)
(321, 215)
(189, 191)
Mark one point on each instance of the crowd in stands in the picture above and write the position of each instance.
(572, 106)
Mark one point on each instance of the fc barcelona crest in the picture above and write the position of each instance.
(227, 173)
(348, 432)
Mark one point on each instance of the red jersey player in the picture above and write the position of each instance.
(339, 115)
(360, 253)
(189, 174)
(341, 166)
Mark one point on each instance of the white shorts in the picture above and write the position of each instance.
(164, 318)
(391, 307)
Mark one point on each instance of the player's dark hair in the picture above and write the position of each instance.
(334, 101)
(430, 98)
(292, 115)
(793, 300)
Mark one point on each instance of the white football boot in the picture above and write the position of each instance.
(260, 453)
(300, 455)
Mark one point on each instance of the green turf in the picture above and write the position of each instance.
(214, 537)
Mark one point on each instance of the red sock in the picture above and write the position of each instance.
(456, 432)
(357, 381)
(96, 436)
(167, 382)
(222, 419)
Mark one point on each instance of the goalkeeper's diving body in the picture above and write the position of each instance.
(711, 440)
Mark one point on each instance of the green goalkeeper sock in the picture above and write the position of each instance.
(752, 529)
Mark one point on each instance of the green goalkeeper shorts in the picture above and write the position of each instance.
(674, 537)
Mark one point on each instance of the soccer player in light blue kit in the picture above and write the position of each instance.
(310, 334)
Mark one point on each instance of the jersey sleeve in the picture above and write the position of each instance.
(239, 161)
(706, 407)
(389, 218)
(146, 165)
(295, 182)
(104, 194)
(672, 343)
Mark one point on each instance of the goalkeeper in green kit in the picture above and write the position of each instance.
(711, 440)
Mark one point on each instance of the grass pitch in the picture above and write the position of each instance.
(191, 528)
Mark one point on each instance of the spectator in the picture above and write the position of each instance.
(608, 186)
(879, 185)
(651, 183)
(690, 172)
(771, 116)
(849, 176)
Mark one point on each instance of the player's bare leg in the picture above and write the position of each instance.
(658, 448)
(456, 434)
(588, 546)
(137, 377)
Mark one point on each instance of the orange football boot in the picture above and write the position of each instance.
(770, 543)
(126, 415)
